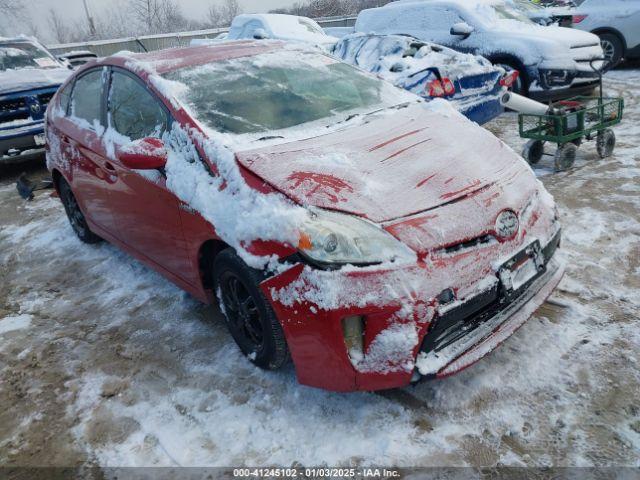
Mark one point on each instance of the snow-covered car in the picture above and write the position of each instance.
(544, 16)
(328, 212)
(471, 83)
(29, 76)
(553, 61)
(275, 26)
(616, 22)
(77, 58)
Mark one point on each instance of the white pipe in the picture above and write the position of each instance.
(523, 104)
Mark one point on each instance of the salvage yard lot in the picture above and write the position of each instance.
(103, 361)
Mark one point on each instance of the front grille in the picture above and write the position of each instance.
(45, 98)
(12, 105)
(466, 245)
(460, 321)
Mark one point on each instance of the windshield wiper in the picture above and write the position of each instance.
(355, 115)
(269, 137)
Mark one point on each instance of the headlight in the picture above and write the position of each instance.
(330, 237)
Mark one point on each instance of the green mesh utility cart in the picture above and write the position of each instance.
(567, 124)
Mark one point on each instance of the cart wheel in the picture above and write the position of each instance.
(606, 142)
(565, 156)
(533, 151)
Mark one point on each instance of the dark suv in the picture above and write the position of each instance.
(29, 76)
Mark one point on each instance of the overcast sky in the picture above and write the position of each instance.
(194, 9)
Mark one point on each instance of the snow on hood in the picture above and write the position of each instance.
(386, 169)
(31, 78)
(385, 56)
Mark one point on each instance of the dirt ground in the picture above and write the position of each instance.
(103, 362)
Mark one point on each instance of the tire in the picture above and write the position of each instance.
(520, 86)
(612, 47)
(565, 157)
(249, 317)
(533, 151)
(74, 214)
(605, 143)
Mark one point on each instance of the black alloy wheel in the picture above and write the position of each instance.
(249, 316)
(75, 215)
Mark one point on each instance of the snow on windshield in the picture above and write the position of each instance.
(14, 56)
(273, 91)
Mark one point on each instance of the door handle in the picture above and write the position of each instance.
(110, 167)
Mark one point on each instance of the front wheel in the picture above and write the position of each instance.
(605, 143)
(250, 319)
(74, 214)
(565, 157)
(533, 151)
(612, 48)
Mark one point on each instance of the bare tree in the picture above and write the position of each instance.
(223, 15)
(58, 27)
(158, 16)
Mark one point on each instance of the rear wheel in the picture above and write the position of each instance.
(612, 48)
(533, 151)
(565, 157)
(75, 215)
(605, 143)
(250, 319)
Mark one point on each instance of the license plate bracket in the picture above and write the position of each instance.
(518, 272)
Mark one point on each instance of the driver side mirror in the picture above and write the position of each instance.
(143, 154)
(259, 34)
(462, 29)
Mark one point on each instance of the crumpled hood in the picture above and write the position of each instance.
(31, 78)
(389, 165)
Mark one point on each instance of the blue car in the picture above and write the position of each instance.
(29, 76)
(470, 82)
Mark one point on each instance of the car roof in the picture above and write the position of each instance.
(166, 61)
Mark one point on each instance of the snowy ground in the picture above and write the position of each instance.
(103, 361)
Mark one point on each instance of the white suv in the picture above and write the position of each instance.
(616, 22)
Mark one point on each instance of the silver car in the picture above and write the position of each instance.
(616, 22)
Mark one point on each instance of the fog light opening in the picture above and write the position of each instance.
(353, 332)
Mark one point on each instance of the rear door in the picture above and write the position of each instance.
(81, 133)
(146, 212)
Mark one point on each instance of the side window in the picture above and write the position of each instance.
(133, 111)
(86, 99)
(64, 97)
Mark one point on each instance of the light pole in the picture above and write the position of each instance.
(92, 26)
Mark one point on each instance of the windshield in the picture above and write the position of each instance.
(508, 12)
(278, 90)
(18, 55)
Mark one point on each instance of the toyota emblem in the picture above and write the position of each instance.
(507, 224)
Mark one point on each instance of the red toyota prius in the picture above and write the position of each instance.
(371, 238)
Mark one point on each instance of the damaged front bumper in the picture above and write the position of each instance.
(403, 323)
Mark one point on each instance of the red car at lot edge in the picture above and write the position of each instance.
(428, 241)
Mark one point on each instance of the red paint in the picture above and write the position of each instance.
(393, 155)
(405, 196)
(423, 182)
(393, 140)
(319, 184)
